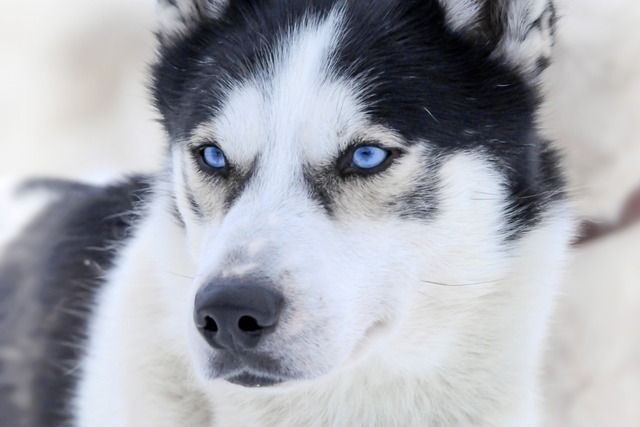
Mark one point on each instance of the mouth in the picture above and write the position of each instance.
(249, 370)
(251, 380)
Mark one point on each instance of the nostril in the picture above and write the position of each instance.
(210, 325)
(248, 324)
(238, 317)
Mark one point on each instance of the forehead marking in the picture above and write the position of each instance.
(296, 103)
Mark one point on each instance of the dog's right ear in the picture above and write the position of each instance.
(176, 18)
(520, 33)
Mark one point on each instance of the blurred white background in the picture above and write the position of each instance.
(593, 368)
(73, 103)
(72, 95)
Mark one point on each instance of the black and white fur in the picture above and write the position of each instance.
(415, 296)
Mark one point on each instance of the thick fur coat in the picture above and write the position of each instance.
(413, 292)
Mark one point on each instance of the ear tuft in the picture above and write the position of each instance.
(177, 18)
(520, 32)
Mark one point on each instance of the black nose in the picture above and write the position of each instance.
(237, 316)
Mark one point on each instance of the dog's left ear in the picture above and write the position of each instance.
(176, 18)
(519, 32)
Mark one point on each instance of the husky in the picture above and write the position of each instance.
(358, 223)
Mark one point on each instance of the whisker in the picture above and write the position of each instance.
(461, 285)
(181, 275)
(432, 116)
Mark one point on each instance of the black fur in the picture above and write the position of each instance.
(428, 83)
(48, 279)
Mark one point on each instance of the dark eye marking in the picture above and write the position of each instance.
(366, 159)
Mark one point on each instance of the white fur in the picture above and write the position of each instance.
(462, 14)
(395, 321)
(518, 46)
(477, 342)
(595, 92)
(176, 19)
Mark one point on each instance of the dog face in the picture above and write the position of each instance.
(341, 169)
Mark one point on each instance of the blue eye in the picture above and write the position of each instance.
(214, 157)
(369, 157)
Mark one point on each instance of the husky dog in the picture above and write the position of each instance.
(359, 224)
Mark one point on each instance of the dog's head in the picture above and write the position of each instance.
(342, 168)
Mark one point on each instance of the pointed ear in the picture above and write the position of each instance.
(520, 32)
(176, 18)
